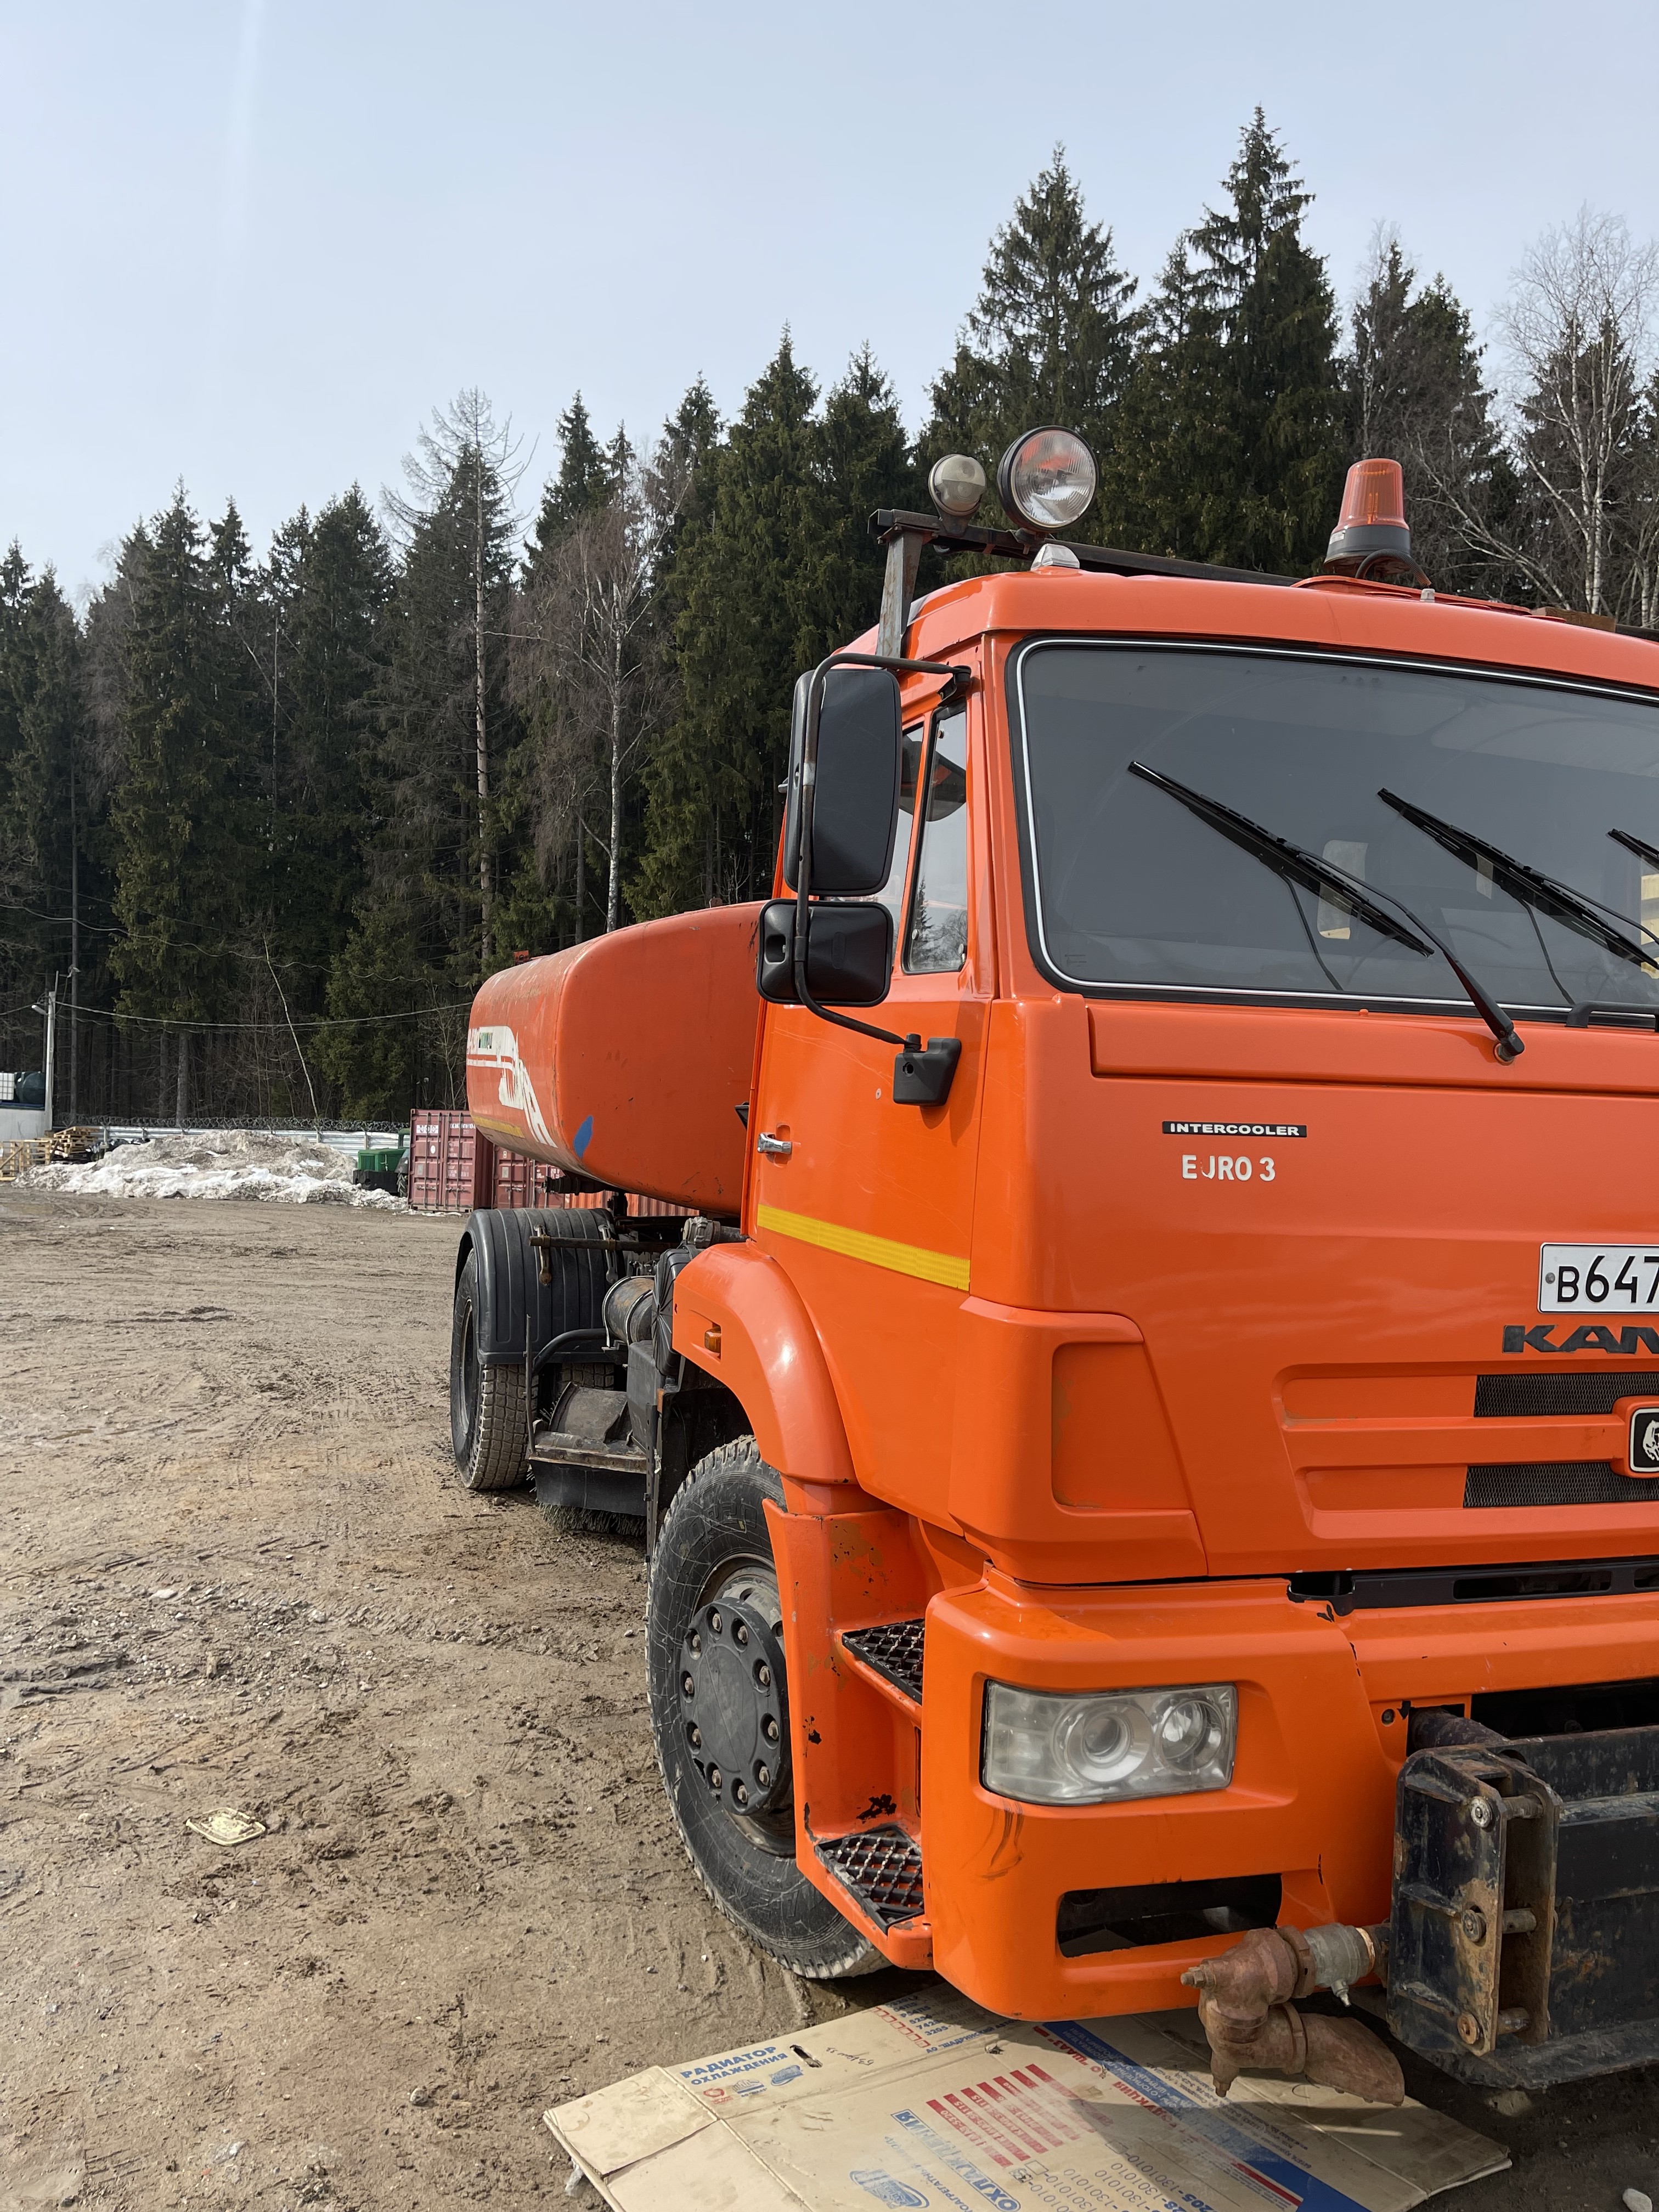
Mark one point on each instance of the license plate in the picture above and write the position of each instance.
(1598, 1278)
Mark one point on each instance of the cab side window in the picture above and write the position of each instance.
(891, 894)
(937, 942)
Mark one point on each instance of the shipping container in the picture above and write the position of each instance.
(452, 1169)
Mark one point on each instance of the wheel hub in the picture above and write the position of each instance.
(733, 1707)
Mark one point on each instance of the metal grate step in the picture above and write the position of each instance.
(893, 1650)
(1556, 1482)
(883, 1870)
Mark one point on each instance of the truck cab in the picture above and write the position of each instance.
(1155, 1439)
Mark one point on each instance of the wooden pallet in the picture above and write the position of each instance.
(23, 1152)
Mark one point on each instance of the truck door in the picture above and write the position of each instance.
(870, 1208)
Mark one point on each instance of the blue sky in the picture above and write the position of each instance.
(250, 244)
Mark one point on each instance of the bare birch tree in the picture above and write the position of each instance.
(1578, 327)
(587, 642)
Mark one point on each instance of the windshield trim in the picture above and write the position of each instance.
(1218, 994)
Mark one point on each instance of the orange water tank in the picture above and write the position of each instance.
(627, 1058)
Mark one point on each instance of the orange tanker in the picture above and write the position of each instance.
(1148, 1430)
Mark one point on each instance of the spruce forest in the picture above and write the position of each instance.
(267, 820)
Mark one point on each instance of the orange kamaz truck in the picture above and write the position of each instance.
(1144, 1404)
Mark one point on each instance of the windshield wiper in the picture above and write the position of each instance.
(1648, 853)
(1531, 886)
(1338, 887)
(1301, 867)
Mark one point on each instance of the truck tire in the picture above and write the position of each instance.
(486, 1404)
(714, 1551)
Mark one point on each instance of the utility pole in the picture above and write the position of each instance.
(75, 956)
(50, 1010)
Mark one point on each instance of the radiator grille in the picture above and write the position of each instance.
(883, 1870)
(1556, 1482)
(1515, 1397)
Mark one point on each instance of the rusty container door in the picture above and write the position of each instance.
(452, 1170)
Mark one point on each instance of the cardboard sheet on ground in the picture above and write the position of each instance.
(931, 2102)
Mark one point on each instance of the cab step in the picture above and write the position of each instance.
(893, 1650)
(560, 1448)
(882, 1868)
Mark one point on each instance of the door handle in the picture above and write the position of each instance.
(777, 1148)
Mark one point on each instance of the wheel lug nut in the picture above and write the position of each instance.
(695, 1737)
(688, 1684)
(695, 1642)
(763, 1775)
(763, 1675)
(739, 1634)
(770, 1728)
(739, 1793)
(714, 1619)
(716, 1779)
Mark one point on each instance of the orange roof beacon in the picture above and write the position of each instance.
(1147, 1418)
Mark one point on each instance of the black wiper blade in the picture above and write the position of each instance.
(1648, 853)
(1299, 866)
(1529, 885)
(1331, 884)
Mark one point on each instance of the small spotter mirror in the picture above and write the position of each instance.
(849, 953)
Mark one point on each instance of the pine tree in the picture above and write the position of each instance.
(584, 482)
(180, 865)
(773, 567)
(864, 463)
(326, 589)
(1416, 395)
(43, 810)
(1237, 423)
(744, 631)
(1050, 338)
(691, 433)
(418, 932)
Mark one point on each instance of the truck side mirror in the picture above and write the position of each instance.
(856, 785)
(849, 952)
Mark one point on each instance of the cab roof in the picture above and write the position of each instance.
(1335, 613)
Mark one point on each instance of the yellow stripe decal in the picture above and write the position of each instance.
(859, 1244)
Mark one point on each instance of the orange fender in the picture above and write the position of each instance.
(738, 1316)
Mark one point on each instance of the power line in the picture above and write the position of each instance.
(328, 1022)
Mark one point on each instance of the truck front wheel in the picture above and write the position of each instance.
(486, 1404)
(720, 1713)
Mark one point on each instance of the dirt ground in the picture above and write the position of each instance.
(236, 1570)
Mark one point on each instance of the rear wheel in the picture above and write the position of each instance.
(720, 1713)
(486, 1404)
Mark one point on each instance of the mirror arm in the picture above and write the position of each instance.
(957, 681)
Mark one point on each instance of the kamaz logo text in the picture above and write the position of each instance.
(1591, 1336)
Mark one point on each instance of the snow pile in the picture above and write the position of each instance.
(256, 1163)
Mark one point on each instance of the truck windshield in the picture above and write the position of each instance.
(1130, 889)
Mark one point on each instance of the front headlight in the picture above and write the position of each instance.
(1051, 1747)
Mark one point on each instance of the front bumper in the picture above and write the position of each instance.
(1323, 1707)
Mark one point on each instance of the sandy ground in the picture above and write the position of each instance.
(235, 1570)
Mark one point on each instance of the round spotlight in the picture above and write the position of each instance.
(1047, 479)
(956, 484)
